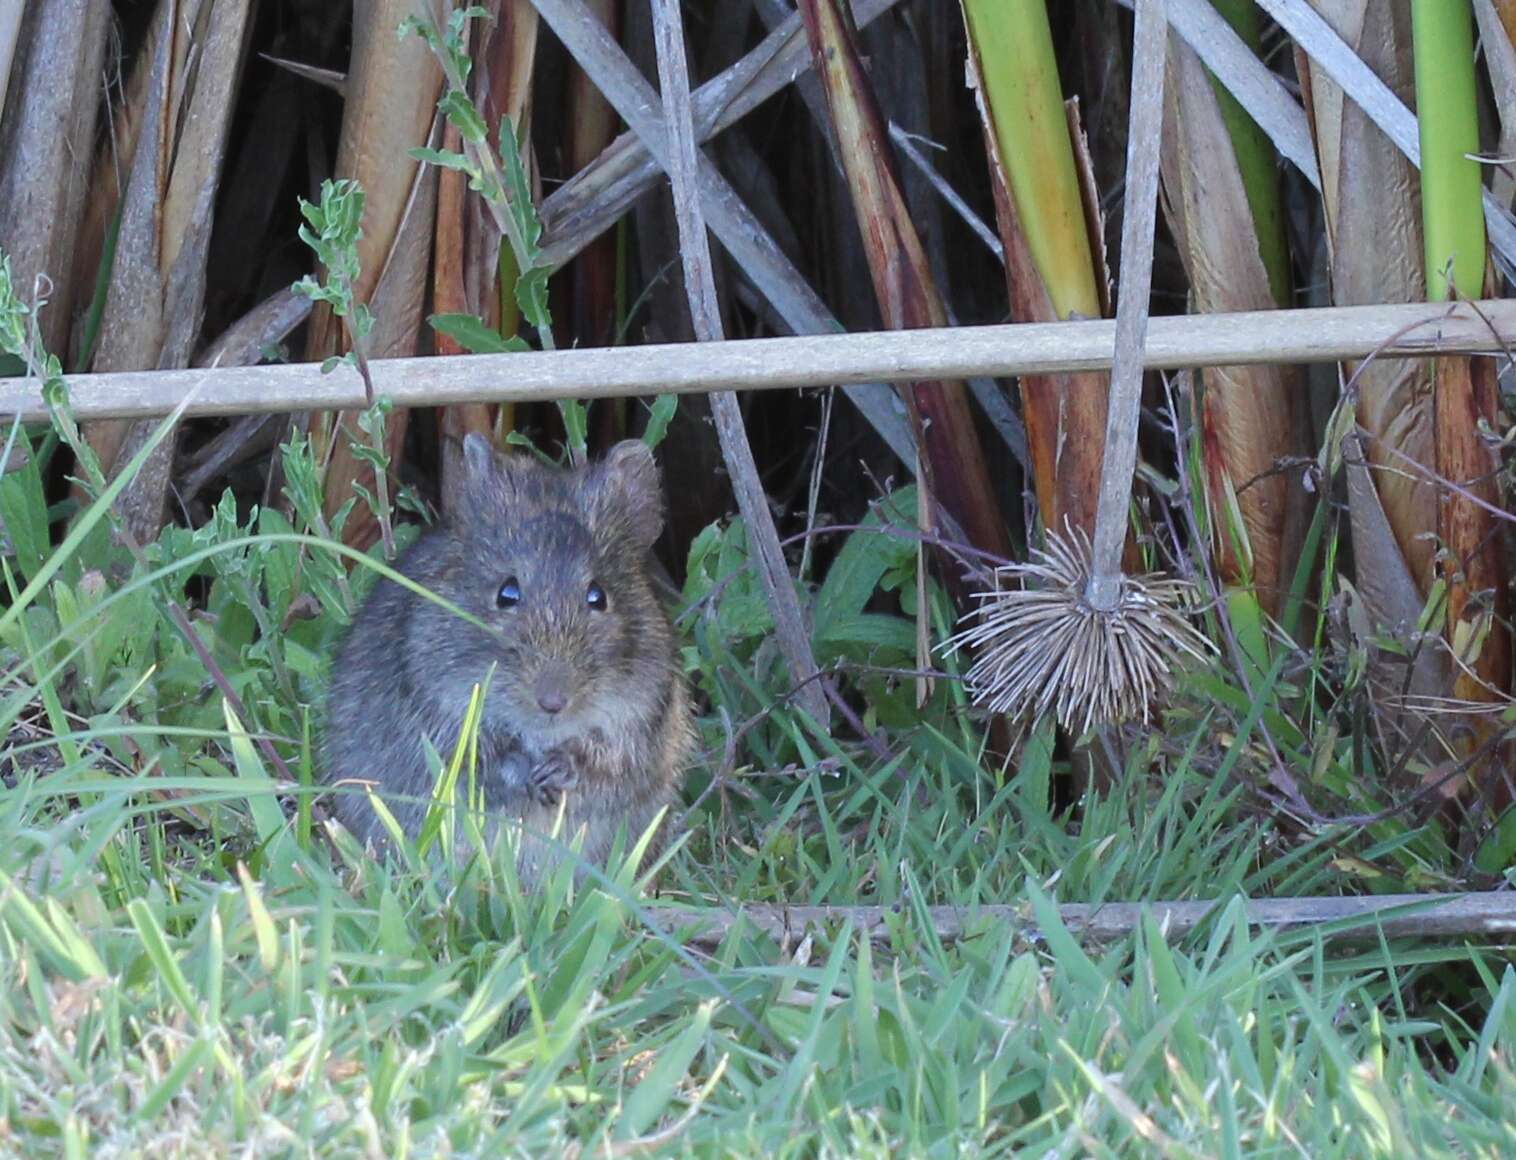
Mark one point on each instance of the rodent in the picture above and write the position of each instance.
(586, 706)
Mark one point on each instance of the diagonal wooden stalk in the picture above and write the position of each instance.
(591, 201)
(738, 230)
(1500, 61)
(1383, 107)
(700, 285)
(10, 36)
(952, 460)
(1257, 88)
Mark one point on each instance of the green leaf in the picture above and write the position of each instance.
(531, 296)
(155, 943)
(465, 118)
(519, 190)
(649, 1100)
(576, 422)
(268, 817)
(470, 332)
(866, 557)
(445, 158)
(660, 415)
(1497, 851)
(23, 509)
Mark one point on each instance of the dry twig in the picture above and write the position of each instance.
(705, 313)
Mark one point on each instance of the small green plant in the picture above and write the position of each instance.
(502, 183)
(332, 229)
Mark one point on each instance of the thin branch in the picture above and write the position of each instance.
(705, 314)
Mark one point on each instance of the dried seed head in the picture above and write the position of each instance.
(1044, 648)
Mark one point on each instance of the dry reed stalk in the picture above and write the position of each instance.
(1372, 214)
(188, 73)
(1221, 199)
(469, 265)
(47, 140)
(952, 463)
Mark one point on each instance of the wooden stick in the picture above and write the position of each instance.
(1325, 334)
(1124, 411)
(1491, 914)
(705, 315)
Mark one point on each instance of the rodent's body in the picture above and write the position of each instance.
(586, 710)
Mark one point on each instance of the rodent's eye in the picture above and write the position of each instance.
(595, 597)
(509, 595)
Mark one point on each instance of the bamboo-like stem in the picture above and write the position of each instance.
(1448, 130)
(1464, 394)
(1125, 407)
(1322, 334)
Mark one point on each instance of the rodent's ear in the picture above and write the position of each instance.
(487, 476)
(626, 486)
(479, 456)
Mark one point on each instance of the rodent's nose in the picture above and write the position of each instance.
(552, 688)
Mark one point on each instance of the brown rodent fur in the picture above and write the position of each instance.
(586, 705)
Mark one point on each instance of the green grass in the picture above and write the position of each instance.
(191, 968)
(201, 991)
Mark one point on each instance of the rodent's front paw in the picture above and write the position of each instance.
(550, 778)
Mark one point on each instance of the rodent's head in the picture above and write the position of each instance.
(555, 562)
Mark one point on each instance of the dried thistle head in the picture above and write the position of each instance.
(1042, 647)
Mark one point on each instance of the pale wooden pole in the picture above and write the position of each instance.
(1491, 914)
(1327, 334)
